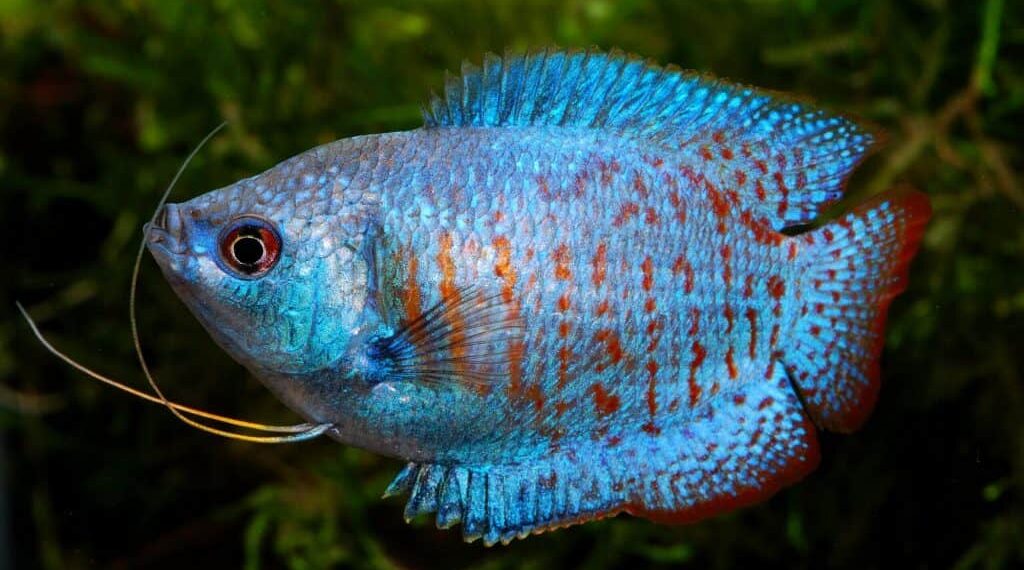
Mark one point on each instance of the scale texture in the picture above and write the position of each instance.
(568, 294)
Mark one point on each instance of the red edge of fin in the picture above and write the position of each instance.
(916, 209)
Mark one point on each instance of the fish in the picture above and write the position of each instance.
(587, 285)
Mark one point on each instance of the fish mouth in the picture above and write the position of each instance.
(165, 236)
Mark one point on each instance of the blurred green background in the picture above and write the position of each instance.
(100, 101)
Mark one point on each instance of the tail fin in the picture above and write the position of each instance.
(855, 266)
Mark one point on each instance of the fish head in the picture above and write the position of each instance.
(273, 266)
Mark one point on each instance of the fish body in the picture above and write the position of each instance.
(567, 295)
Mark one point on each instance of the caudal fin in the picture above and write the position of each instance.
(855, 266)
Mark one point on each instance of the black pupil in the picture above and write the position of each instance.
(248, 250)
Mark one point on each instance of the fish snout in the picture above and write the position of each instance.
(167, 230)
(168, 218)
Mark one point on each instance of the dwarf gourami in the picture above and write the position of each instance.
(566, 296)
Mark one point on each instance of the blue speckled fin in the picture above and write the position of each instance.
(855, 266)
(786, 159)
(741, 447)
(504, 502)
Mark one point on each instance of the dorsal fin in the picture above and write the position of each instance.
(786, 159)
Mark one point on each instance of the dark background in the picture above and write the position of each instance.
(100, 101)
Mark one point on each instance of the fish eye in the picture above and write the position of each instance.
(249, 247)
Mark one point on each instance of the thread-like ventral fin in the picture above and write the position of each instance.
(784, 158)
(468, 338)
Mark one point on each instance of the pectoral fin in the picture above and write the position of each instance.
(470, 337)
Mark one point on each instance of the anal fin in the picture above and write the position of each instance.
(739, 448)
(504, 502)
